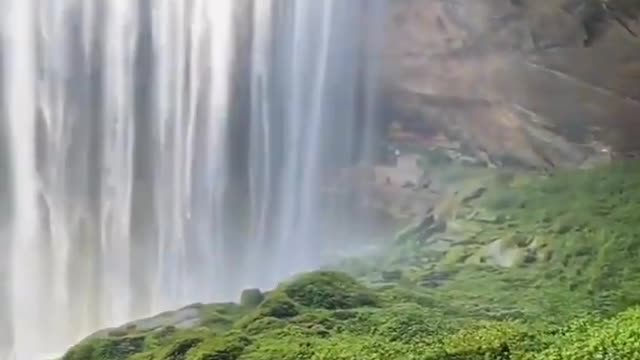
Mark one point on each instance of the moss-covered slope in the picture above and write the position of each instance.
(395, 323)
(568, 290)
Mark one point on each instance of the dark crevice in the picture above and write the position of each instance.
(624, 25)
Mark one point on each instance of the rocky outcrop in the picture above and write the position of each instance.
(544, 84)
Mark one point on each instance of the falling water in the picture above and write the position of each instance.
(156, 153)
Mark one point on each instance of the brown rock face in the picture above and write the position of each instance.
(541, 83)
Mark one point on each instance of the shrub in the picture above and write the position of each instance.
(228, 347)
(329, 290)
(107, 349)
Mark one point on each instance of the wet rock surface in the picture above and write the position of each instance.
(538, 84)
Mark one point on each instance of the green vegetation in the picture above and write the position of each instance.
(569, 291)
(251, 298)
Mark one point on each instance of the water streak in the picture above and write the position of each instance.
(166, 152)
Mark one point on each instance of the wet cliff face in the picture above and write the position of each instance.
(541, 83)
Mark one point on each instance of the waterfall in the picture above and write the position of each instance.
(157, 153)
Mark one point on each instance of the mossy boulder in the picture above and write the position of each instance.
(278, 305)
(251, 298)
(329, 290)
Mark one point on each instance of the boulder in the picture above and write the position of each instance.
(251, 298)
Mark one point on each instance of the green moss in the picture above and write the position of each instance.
(221, 317)
(329, 290)
(143, 356)
(279, 306)
(570, 245)
(616, 338)
(351, 347)
(83, 351)
(410, 234)
(410, 295)
(229, 347)
(408, 323)
(178, 348)
(316, 320)
(107, 349)
(280, 349)
(251, 298)
(498, 199)
(459, 254)
(265, 325)
(515, 240)
(491, 340)
(572, 302)
(479, 257)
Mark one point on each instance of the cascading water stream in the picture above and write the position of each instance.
(157, 153)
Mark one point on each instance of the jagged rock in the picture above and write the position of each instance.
(422, 230)
(474, 195)
(540, 84)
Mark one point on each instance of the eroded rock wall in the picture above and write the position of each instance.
(545, 84)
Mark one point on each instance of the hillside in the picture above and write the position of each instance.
(529, 268)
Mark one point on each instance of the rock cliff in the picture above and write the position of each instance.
(543, 84)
